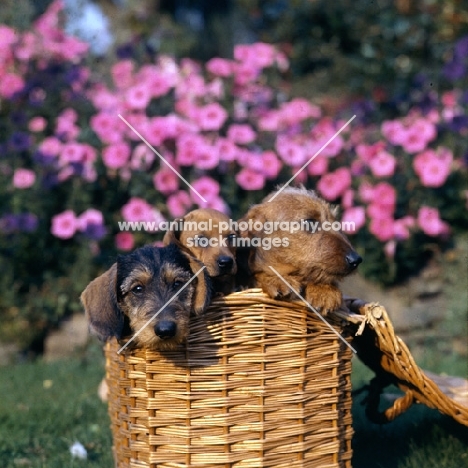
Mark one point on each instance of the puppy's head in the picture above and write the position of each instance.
(207, 234)
(151, 290)
(316, 254)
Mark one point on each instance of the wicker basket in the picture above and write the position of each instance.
(259, 383)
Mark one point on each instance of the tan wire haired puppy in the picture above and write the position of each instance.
(311, 262)
(207, 235)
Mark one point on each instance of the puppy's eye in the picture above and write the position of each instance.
(177, 284)
(138, 289)
(202, 241)
(310, 224)
(232, 239)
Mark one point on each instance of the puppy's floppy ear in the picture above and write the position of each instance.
(203, 289)
(99, 300)
(172, 236)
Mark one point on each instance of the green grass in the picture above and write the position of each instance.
(39, 424)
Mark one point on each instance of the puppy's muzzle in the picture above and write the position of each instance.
(353, 259)
(166, 329)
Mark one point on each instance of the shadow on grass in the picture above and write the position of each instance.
(419, 438)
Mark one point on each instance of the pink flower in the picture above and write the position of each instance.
(72, 153)
(138, 97)
(269, 122)
(430, 223)
(207, 187)
(10, 83)
(64, 225)
(159, 84)
(297, 110)
(394, 131)
(23, 178)
(122, 73)
(124, 241)
(211, 117)
(156, 131)
(227, 150)
(382, 164)
(401, 229)
(241, 134)
(334, 184)
(142, 157)
(326, 141)
(425, 128)
(413, 140)
(90, 216)
(219, 67)
(109, 128)
(165, 181)
(37, 124)
(367, 152)
(433, 168)
(290, 152)
(137, 209)
(356, 215)
(385, 196)
(207, 157)
(116, 156)
(187, 148)
(178, 203)
(381, 228)
(318, 166)
(366, 192)
(271, 165)
(347, 199)
(250, 180)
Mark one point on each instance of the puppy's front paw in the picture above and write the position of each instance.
(324, 297)
(276, 288)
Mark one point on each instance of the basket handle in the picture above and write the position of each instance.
(372, 402)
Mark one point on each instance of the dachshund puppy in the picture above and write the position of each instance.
(142, 284)
(207, 235)
(311, 262)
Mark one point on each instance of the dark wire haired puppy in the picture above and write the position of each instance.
(207, 235)
(311, 262)
(126, 297)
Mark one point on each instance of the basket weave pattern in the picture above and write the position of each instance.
(259, 383)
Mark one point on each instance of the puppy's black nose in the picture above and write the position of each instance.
(353, 259)
(165, 329)
(225, 262)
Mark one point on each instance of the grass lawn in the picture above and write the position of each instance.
(46, 407)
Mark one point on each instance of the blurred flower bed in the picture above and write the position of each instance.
(71, 166)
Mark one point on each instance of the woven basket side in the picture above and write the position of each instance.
(258, 384)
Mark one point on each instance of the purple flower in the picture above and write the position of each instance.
(43, 159)
(459, 123)
(19, 141)
(27, 222)
(461, 48)
(95, 231)
(125, 51)
(9, 223)
(454, 70)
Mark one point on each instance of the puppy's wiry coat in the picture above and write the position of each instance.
(128, 295)
(219, 255)
(312, 263)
